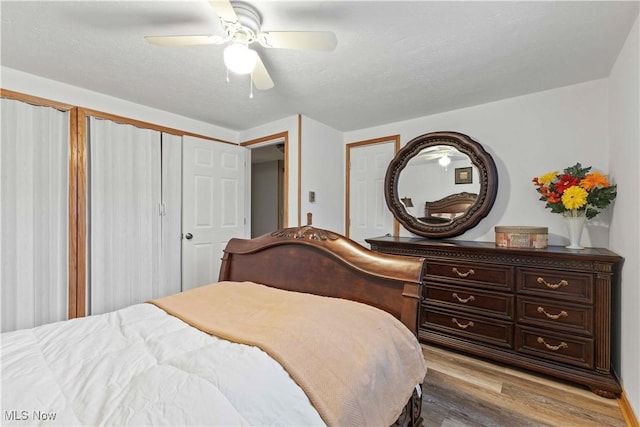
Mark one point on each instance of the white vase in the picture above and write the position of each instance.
(575, 225)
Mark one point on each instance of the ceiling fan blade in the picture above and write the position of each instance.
(311, 40)
(260, 76)
(184, 40)
(224, 10)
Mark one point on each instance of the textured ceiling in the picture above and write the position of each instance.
(395, 60)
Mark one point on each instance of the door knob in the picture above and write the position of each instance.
(189, 236)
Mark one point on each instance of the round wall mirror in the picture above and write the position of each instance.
(441, 184)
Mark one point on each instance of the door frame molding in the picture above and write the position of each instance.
(348, 147)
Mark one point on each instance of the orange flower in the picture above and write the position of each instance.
(594, 180)
(553, 197)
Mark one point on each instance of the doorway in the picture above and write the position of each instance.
(267, 188)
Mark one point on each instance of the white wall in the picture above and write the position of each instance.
(323, 172)
(527, 136)
(624, 133)
(30, 84)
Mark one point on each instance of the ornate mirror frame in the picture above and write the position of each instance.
(487, 173)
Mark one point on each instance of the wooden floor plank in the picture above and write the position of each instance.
(465, 391)
(468, 404)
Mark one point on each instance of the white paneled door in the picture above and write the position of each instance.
(213, 206)
(368, 212)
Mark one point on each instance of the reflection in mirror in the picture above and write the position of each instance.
(441, 184)
(430, 177)
(448, 208)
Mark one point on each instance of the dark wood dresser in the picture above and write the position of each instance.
(547, 310)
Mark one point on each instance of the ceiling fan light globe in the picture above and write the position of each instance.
(444, 160)
(240, 59)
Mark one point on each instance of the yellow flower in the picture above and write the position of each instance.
(574, 197)
(593, 180)
(548, 177)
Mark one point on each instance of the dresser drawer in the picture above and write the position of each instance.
(470, 274)
(558, 315)
(471, 300)
(468, 326)
(556, 284)
(568, 349)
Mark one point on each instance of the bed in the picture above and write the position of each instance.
(304, 327)
(445, 210)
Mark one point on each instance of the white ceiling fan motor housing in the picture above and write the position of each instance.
(249, 21)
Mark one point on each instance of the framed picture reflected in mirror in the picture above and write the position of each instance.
(464, 175)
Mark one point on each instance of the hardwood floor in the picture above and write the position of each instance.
(461, 391)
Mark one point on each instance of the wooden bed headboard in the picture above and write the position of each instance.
(455, 203)
(312, 260)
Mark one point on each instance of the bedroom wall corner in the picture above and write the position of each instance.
(624, 237)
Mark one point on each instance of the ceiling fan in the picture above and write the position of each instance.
(442, 153)
(241, 23)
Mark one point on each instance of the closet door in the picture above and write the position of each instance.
(213, 206)
(124, 215)
(34, 165)
(368, 212)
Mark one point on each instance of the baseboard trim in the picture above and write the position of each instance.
(627, 411)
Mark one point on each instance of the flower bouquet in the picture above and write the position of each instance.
(576, 191)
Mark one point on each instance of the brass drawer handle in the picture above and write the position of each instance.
(552, 285)
(459, 325)
(553, 316)
(553, 347)
(468, 273)
(463, 300)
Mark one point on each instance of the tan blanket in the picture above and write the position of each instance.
(357, 364)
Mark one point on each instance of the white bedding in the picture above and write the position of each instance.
(140, 366)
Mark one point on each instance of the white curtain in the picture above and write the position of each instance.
(34, 165)
(133, 237)
(124, 218)
(171, 272)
